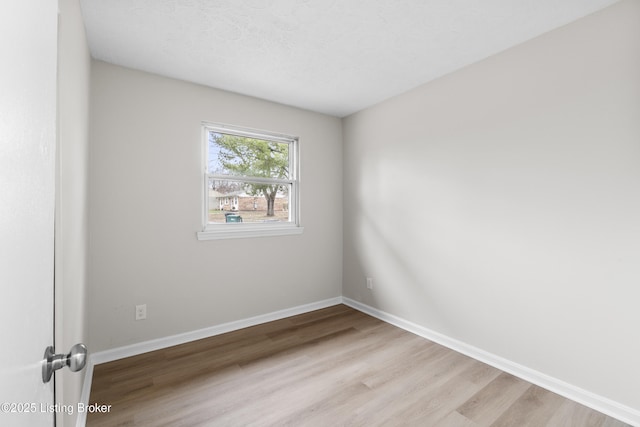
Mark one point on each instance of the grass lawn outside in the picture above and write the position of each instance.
(249, 216)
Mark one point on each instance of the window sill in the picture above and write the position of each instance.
(241, 231)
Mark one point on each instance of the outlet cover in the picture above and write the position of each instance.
(141, 312)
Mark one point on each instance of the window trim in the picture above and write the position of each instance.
(246, 230)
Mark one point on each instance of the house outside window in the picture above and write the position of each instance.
(251, 186)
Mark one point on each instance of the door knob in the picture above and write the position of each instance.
(75, 360)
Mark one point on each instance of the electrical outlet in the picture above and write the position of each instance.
(141, 312)
(369, 283)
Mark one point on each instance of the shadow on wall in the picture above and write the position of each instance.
(388, 241)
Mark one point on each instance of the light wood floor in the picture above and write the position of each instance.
(331, 367)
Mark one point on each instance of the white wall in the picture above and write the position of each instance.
(71, 203)
(145, 209)
(500, 205)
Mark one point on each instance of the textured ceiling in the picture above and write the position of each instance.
(330, 56)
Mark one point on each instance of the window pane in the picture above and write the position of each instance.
(244, 156)
(235, 201)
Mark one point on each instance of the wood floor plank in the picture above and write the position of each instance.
(573, 414)
(455, 419)
(535, 407)
(330, 367)
(435, 402)
(491, 401)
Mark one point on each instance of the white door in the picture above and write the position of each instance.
(28, 50)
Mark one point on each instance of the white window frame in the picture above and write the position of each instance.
(234, 230)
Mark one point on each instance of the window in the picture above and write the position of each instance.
(250, 183)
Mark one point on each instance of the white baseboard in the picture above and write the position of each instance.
(594, 401)
(584, 397)
(160, 343)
